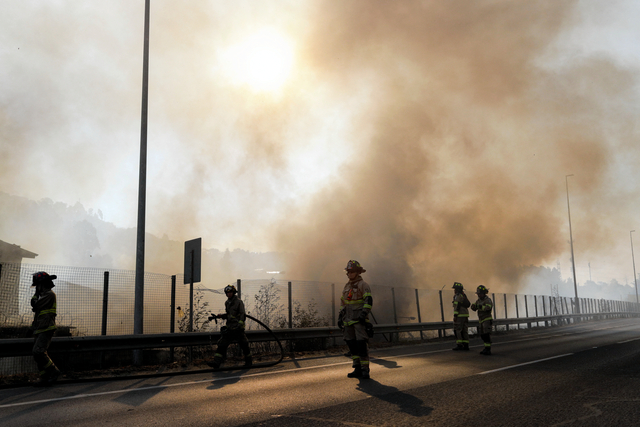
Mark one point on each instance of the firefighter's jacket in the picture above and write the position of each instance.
(356, 298)
(460, 305)
(484, 307)
(44, 309)
(236, 316)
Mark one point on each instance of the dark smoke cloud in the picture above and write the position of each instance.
(469, 140)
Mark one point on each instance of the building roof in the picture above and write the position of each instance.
(14, 253)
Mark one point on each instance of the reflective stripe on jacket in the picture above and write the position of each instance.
(234, 307)
(356, 298)
(44, 307)
(460, 305)
(484, 307)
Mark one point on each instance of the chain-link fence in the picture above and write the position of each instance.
(94, 302)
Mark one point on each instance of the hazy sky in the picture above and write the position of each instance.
(428, 139)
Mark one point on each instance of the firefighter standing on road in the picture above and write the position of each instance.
(461, 317)
(483, 306)
(233, 331)
(43, 304)
(356, 305)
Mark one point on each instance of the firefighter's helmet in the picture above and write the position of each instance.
(44, 278)
(230, 288)
(482, 290)
(354, 265)
(458, 285)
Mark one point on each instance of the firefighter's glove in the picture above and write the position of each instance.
(473, 307)
(222, 316)
(340, 323)
(369, 328)
(362, 317)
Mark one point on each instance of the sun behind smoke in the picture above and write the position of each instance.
(262, 61)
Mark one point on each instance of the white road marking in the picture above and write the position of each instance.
(523, 364)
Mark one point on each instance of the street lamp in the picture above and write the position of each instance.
(634, 264)
(573, 262)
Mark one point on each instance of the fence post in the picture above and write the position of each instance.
(395, 314)
(526, 310)
(517, 312)
(441, 332)
(506, 316)
(493, 298)
(290, 307)
(172, 325)
(419, 316)
(105, 302)
(544, 312)
(535, 302)
(239, 287)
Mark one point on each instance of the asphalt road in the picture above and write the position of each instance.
(581, 375)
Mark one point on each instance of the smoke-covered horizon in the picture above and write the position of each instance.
(429, 140)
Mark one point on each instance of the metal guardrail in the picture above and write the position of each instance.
(15, 347)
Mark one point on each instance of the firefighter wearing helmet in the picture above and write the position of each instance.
(234, 330)
(43, 304)
(356, 305)
(461, 317)
(483, 306)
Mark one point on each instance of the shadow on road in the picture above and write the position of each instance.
(405, 402)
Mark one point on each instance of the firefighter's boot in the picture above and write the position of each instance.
(458, 347)
(365, 374)
(248, 361)
(465, 346)
(53, 376)
(217, 361)
(357, 372)
(486, 351)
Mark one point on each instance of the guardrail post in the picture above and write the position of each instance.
(526, 310)
(419, 316)
(441, 332)
(172, 325)
(535, 301)
(544, 312)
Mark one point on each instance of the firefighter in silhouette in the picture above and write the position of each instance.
(356, 305)
(461, 317)
(483, 306)
(43, 304)
(233, 331)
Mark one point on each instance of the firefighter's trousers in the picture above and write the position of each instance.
(357, 340)
(461, 328)
(235, 335)
(41, 344)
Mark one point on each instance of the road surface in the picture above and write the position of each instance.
(586, 374)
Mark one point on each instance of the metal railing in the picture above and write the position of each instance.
(17, 347)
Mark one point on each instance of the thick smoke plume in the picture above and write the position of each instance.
(429, 140)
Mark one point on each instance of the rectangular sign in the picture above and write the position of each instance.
(192, 260)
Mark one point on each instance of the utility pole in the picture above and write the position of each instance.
(635, 278)
(138, 313)
(573, 261)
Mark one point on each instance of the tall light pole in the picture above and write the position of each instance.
(634, 264)
(573, 261)
(138, 309)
